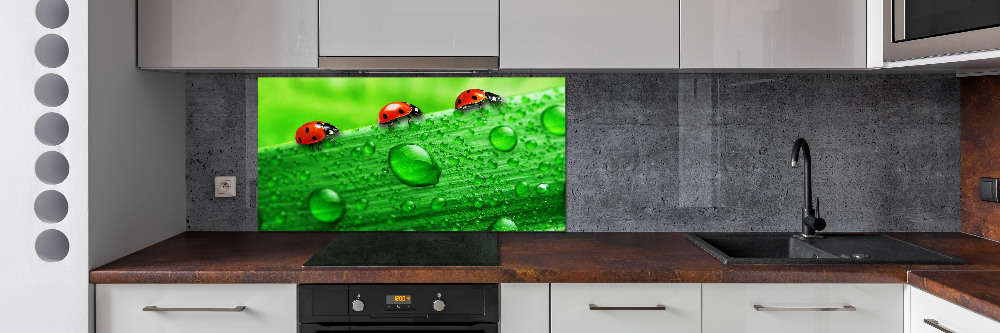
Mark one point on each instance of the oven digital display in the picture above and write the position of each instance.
(397, 299)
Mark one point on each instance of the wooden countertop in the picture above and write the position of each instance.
(255, 257)
(277, 257)
(978, 291)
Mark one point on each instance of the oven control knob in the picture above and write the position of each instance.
(438, 305)
(358, 305)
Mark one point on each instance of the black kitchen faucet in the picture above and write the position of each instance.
(810, 222)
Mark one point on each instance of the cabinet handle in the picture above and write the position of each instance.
(234, 309)
(615, 308)
(759, 307)
(935, 324)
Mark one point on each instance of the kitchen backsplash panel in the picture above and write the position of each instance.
(411, 154)
(681, 152)
(980, 153)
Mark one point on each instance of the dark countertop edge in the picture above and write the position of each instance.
(972, 295)
(174, 261)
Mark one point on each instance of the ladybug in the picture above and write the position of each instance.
(474, 98)
(395, 110)
(314, 131)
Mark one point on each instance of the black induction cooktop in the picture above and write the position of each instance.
(409, 248)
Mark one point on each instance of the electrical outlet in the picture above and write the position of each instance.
(225, 186)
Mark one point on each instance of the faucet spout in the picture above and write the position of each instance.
(810, 222)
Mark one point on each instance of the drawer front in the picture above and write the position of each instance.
(572, 311)
(524, 308)
(405, 28)
(730, 308)
(269, 308)
(949, 316)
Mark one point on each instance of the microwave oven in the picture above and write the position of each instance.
(915, 29)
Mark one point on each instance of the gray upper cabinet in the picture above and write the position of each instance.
(509, 34)
(408, 34)
(580, 34)
(407, 28)
(220, 34)
(778, 34)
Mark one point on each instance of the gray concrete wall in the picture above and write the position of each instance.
(682, 152)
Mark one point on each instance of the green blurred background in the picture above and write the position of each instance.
(284, 104)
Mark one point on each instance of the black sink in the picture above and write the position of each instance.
(787, 248)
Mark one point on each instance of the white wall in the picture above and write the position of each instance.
(137, 125)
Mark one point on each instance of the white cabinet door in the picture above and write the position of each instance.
(269, 308)
(774, 34)
(524, 308)
(589, 34)
(626, 307)
(793, 308)
(407, 28)
(227, 34)
(951, 317)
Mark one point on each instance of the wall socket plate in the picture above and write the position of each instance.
(225, 186)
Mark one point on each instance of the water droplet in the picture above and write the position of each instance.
(492, 164)
(479, 203)
(554, 119)
(391, 218)
(369, 148)
(460, 140)
(424, 136)
(544, 166)
(482, 120)
(453, 160)
(503, 138)
(407, 206)
(503, 224)
(521, 113)
(542, 188)
(530, 144)
(361, 204)
(413, 166)
(356, 152)
(521, 188)
(305, 175)
(437, 204)
(513, 162)
(325, 205)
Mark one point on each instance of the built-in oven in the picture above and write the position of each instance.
(927, 28)
(465, 308)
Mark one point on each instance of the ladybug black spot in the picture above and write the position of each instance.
(300, 140)
(315, 139)
(474, 98)
(468, 91)
(307, 129)
(400, 111)
(385, 116)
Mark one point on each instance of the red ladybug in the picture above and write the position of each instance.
(395, 110)
(314, 132)
(473, 98)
